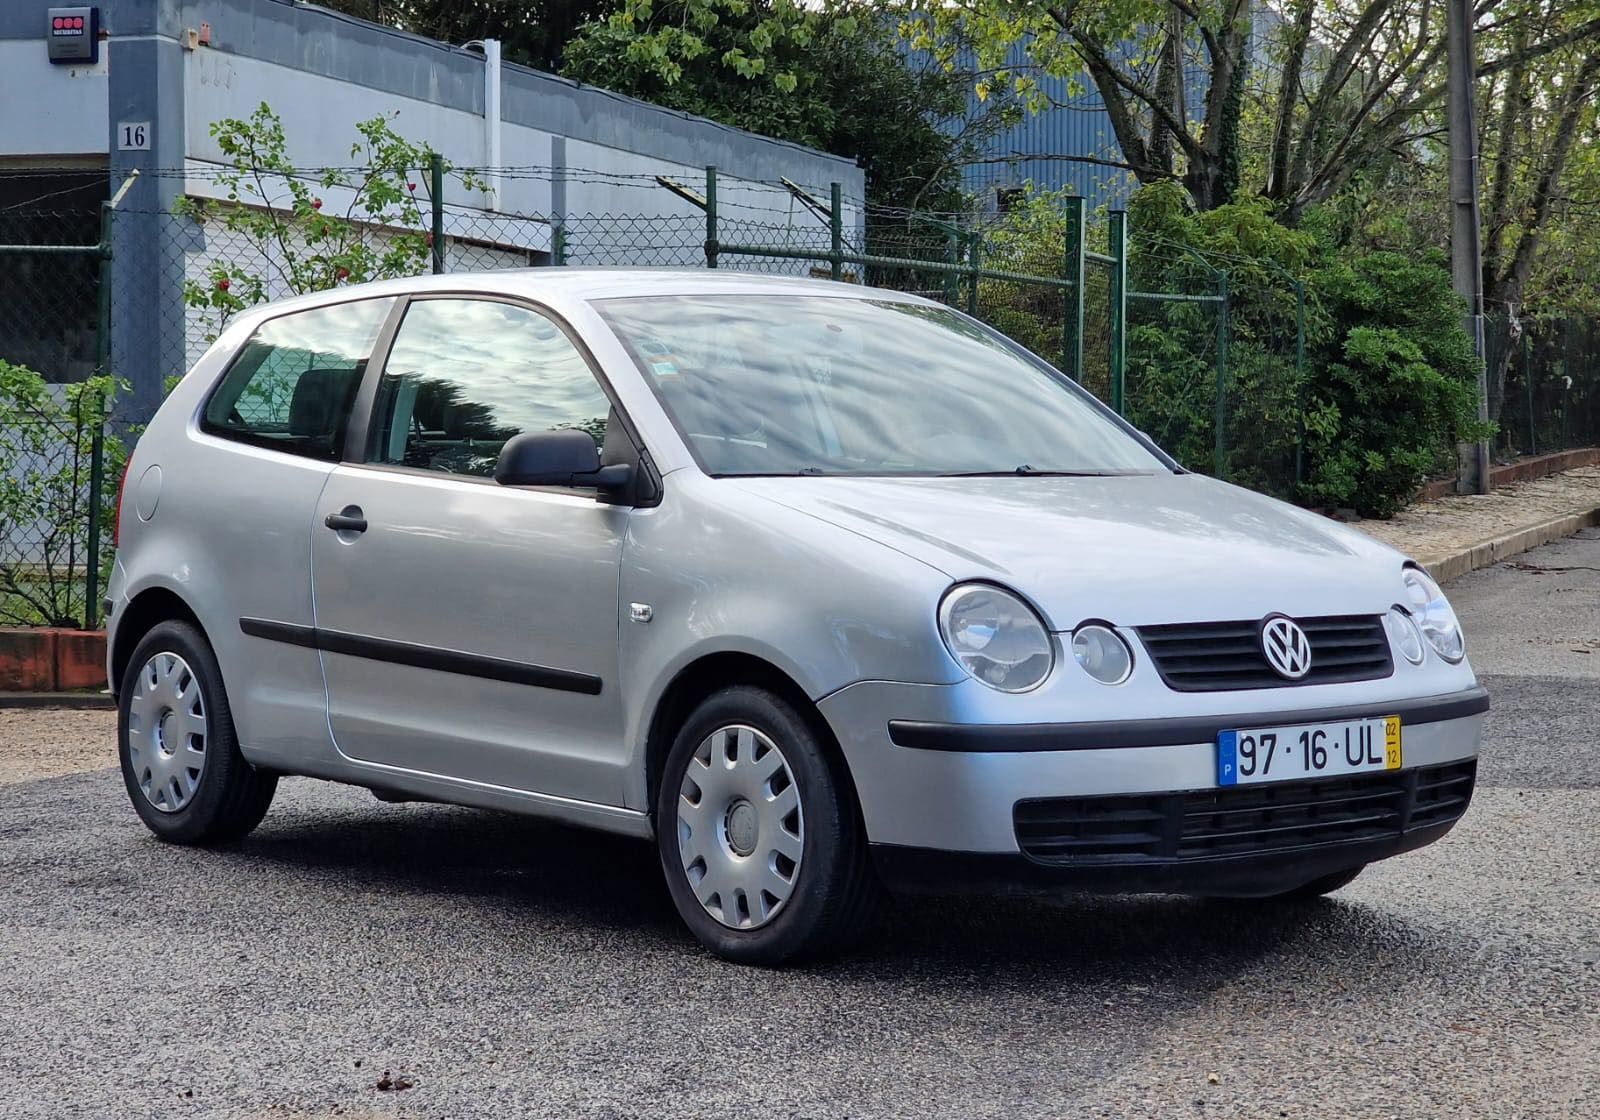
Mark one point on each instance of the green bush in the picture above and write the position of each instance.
(46, 501)
(1387, 389)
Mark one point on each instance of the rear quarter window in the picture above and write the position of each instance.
(293, 383)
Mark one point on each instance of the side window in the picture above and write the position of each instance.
(292, 384)
(464, 376)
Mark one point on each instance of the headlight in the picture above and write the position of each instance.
(996, 637)
(1404, 634)
(1102, 653)
(1433, 615)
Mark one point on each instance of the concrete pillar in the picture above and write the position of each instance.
(147, 312)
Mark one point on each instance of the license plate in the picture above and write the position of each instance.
(1308, 750)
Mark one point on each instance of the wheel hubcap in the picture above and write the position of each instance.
(740, 828)
(167, 732)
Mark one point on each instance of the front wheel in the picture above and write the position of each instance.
(760, 842)
(180, 758)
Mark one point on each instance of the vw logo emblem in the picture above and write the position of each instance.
(1286, 647)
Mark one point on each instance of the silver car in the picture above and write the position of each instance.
(825, 589)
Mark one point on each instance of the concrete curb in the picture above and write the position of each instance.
(88, 700)
(1452, 565)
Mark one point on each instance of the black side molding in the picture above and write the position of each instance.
(1013, 737)
(422, 657)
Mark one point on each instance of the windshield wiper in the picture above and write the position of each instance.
(1032, 472)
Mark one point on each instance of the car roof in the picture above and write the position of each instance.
(581, 283)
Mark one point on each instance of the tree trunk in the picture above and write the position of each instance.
(1288, 92)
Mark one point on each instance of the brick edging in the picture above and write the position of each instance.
(48, 659)
(1524, 470)
(58, 700)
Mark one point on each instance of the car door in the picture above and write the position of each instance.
(470, 629)
(272, 428)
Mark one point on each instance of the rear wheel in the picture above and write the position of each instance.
(759, 839)
(180, 757)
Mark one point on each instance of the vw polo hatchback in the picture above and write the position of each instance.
(825, 589)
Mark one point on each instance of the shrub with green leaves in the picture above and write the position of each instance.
(46, 501)
(1387, 389)
(293, 241)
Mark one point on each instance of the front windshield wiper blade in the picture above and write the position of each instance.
(1031, 472)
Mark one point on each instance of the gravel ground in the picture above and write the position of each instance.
(1459, 521)
(505, 968)
(39, 743)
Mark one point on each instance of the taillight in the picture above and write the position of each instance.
(122, 485)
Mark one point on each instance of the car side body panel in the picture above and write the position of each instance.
(722, 571)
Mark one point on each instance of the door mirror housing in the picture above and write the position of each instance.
(561, 458)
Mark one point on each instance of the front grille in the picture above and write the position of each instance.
(1241, 820)
(1221, 656)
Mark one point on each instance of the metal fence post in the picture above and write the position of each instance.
(952, 279)
(974, 242)
(437, 169)
(1073, 274)
(1118, 232)
(558, 245)
(711, 217)
(1300, 381)
(1219, 437)
(97, 441)
(836, 231)
(1527, 382)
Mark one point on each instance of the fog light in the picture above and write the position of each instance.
(1102, 653)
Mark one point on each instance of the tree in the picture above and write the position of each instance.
(531, 32)
(1540, 126)
(1346, 83)
(285, 240)
(820, 77)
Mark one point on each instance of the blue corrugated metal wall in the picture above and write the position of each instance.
(1036, 149)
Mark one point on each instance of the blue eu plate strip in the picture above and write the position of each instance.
(1227, 760)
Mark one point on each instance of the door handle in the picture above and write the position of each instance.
(348, 520)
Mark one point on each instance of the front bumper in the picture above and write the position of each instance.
(942, 802)
(930, 871)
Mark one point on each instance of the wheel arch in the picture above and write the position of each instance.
(144, 612)
(708, 674)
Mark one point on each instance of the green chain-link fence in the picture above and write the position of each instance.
(1147, 326)
(54, 331)
(1549, 399)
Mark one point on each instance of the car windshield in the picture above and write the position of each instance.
(803, 385)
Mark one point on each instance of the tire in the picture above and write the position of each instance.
(710, 846)
(175, 739)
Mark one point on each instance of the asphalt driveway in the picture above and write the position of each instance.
(502, 968)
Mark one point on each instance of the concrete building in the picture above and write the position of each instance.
(165, 70)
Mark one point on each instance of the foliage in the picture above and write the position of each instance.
(1388, 385)
(815, 76)
(1349, 83)
(297, 241)
(531, 32)
(46, 441)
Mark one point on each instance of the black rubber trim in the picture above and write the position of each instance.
(1014, 737)
(1251, 875)
(422, 657)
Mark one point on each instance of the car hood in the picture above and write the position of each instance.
(1135, 550)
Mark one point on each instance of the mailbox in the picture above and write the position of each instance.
(73, 35)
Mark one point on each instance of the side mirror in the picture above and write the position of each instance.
(559, 458)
